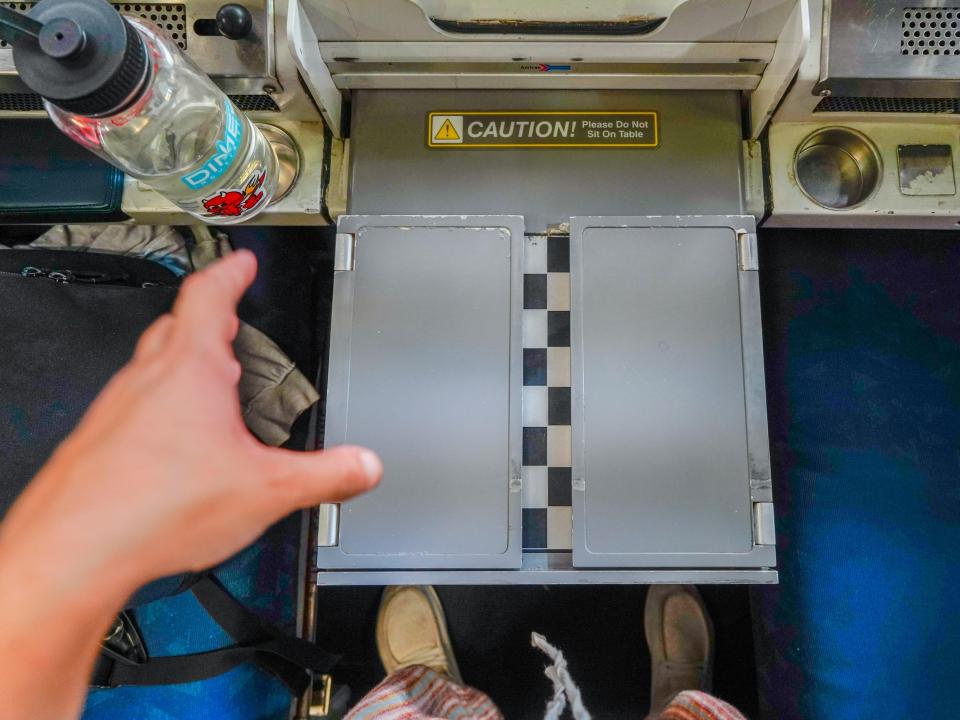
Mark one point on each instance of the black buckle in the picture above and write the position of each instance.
(122, 644)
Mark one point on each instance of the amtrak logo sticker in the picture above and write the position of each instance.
(543, 129)
(547, 67)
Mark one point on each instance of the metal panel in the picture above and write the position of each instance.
(912, 49)
(425, 368)
(887, 207)
(244, 66)
(687, 20)
(302, 206)
(695, 170)
(547, 576)
(544, 569)
(546, 52)
(664, 444)
(721, 78)
(764, 524)
(791, 47)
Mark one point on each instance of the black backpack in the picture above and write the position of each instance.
(68, 321)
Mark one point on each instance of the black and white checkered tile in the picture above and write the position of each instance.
(547, 512)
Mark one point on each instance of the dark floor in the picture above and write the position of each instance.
(599, 628)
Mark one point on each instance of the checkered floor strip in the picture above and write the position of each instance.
(547, 512)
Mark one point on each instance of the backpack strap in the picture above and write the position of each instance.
(289, 659)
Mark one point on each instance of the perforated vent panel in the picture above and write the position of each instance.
(255, 103)
(20, 102)
(171, 17)
(889, 105)
(29, 102)
(930, 31)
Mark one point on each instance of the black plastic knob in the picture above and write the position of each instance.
(234, 21)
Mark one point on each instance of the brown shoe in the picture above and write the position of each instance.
(680, 637)
(411, 630)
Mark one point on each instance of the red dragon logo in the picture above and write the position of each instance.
(233, 203)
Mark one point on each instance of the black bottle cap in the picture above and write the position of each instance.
(87, 60)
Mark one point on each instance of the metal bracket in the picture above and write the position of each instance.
(344, 257)
(754, 202)
(747, 250)
(764, 527)
(322, 696)
(328, 525)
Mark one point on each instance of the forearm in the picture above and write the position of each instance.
(58, 596)
(132, 495)
(45, 663)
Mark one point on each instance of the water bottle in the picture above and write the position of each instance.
(121, 88)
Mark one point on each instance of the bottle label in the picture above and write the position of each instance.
(237, 202)
(224, 154)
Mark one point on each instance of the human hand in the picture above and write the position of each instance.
(161, 476)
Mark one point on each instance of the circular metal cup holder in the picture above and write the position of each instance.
(838, 168)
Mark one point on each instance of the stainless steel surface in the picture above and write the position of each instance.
(747, 253)
(328, 524)
(891, 48)
(738, 75)
(546, 51)
(244, 67)
(288, 158)
(695, 44)
(754, 384)
(302, 206)
(887, 207)
(754, 178)
(411, 20)
(346, 69)
(663, 458)
(546, 81)
(765, 532)
(250, 58)
(926, 170)
(838, 168)
(425, 368)
(344, 252)
(695, 170)
(548, 569)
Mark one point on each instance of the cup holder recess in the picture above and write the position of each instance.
(838, 168)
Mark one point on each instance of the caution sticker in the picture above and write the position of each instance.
(543, 129)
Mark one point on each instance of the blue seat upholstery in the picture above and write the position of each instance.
(862, 336)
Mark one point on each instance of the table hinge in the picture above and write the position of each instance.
(328, 525)
(345, 257)
(747, 250)
(764, 528)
